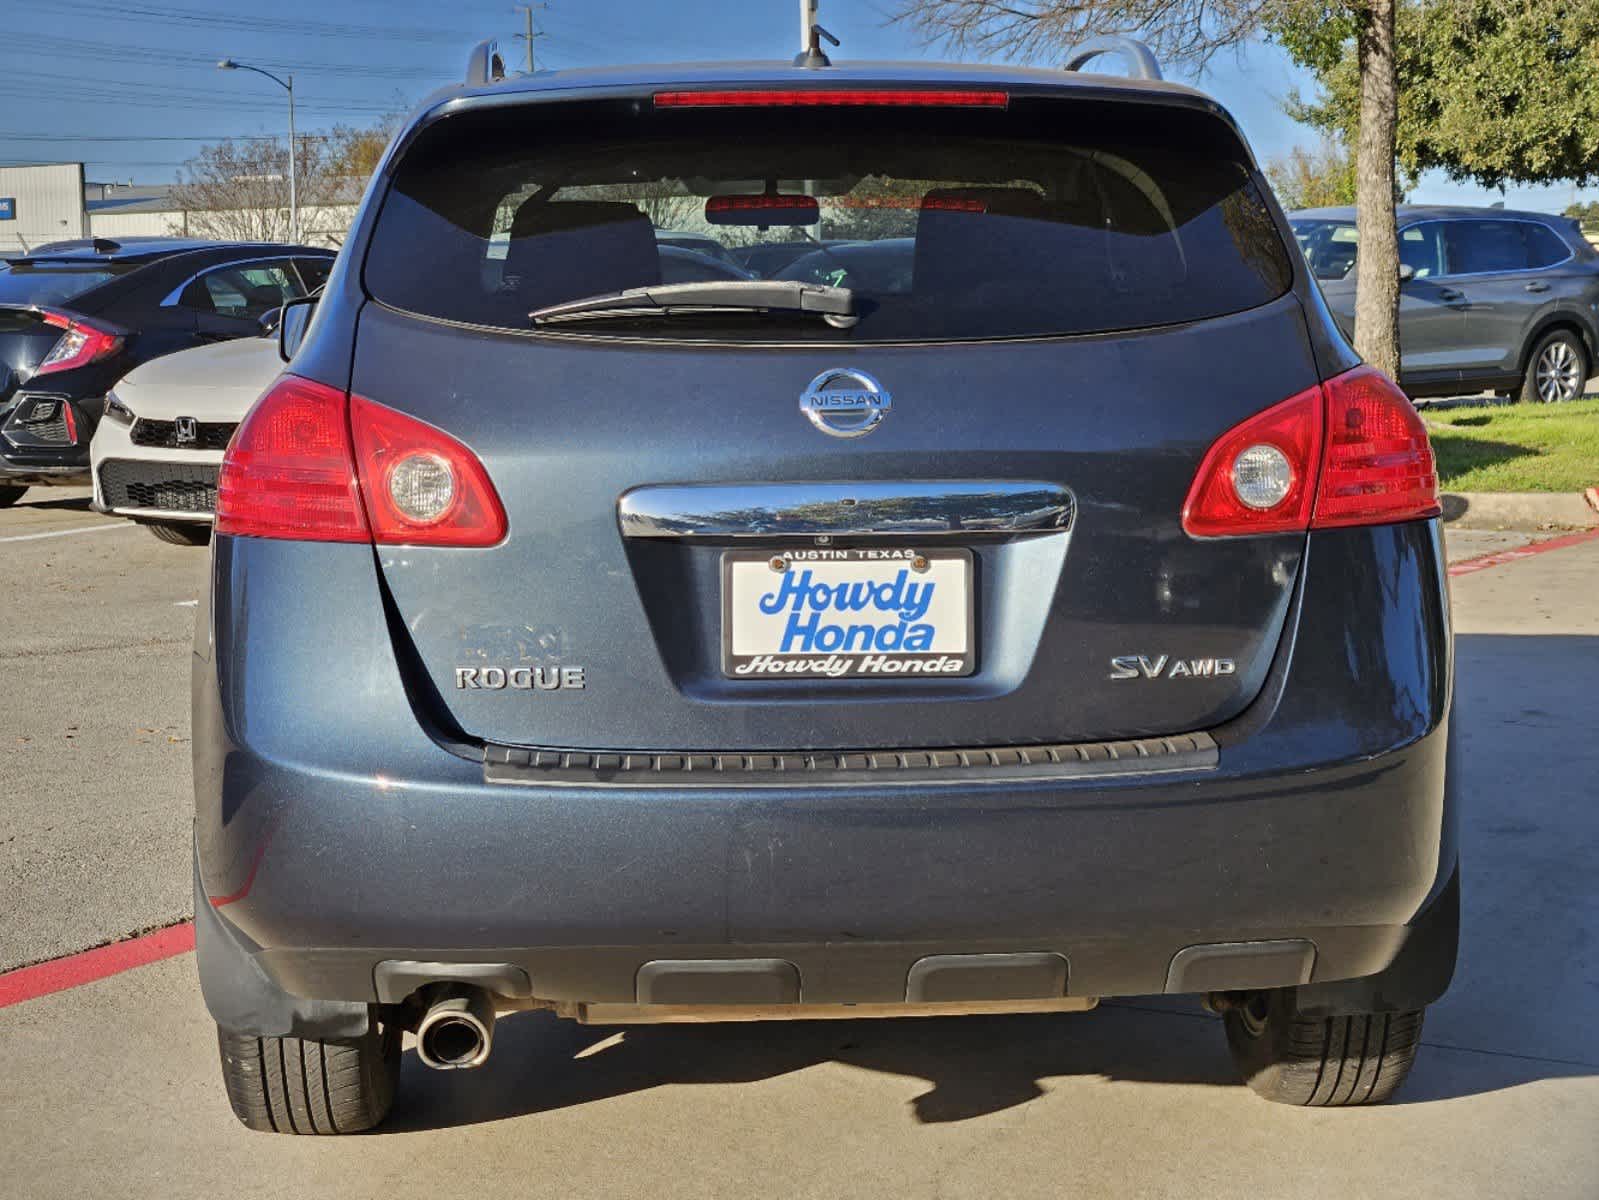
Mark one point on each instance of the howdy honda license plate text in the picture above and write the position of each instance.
(833, 614)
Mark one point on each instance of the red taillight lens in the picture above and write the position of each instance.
(81, 343)
(288, 472)
(1215, 508)
(311, 465)
(833, 98)
(1351, 451)
(1378, 465)
(422, 487)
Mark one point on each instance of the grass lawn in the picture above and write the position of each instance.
(1517, 448)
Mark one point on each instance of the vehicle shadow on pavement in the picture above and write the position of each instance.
(974, 1065)
(1521, 1004)
(60, 504)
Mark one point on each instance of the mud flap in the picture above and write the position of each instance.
(243, 1000)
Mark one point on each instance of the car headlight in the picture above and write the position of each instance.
(118, 411)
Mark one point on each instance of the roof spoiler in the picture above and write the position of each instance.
(1141, 61)
(484, 65)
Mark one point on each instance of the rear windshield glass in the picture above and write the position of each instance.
(48, 283)
(1046, 217)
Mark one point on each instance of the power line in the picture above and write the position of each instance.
(255, 24)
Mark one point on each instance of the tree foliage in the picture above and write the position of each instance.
(1314, 177)
(239, 190)
(1491, 91)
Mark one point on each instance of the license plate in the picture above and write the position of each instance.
(838, 614)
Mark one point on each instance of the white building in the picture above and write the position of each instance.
(52, 202)
(41, 203)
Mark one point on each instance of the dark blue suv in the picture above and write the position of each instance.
(1038, 604)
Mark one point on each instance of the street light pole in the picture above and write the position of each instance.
(228, 64)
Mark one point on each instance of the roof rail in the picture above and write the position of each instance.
(484, 65)
(1141, 61)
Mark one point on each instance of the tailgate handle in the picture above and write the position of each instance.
(930, 508)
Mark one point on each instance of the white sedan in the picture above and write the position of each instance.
(157, 449)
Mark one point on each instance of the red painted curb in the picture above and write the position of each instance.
(57, 975)
(1500, 558)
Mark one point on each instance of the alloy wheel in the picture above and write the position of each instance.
(1559, 373)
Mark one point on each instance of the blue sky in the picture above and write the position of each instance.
(130, 87)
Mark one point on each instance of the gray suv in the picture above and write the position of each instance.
(1490, 299)
(1038, 604)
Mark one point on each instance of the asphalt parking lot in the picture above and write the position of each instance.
(112, 1088)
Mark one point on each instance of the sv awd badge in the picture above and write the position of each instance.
(1137, 666)
(523, 679)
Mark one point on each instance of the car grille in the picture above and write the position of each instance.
(209, 435)
(174, 487)
(44, 419)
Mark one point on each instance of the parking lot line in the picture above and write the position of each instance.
(55, 533)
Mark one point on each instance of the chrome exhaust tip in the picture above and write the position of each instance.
(457, 1030)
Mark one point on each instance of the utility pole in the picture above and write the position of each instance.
(527, 14)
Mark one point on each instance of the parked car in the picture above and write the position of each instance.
(1070, 625)
(697, 243)
(768, 258)
(1490, 299)
(76, 317)
(679, 265)
(155, 455)
(885, 265)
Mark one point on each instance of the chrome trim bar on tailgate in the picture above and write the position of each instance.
(929, 508)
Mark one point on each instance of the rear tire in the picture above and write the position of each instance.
(10, 495)
(180, 533)
(1557, 369)
(302, 1086)
(1320, 1062)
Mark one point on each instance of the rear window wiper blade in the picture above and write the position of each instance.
(835, 305)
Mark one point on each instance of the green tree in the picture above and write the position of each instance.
(1492, 92)
(1189, 33)
(1318, 177)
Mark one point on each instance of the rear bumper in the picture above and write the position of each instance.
(335, 834)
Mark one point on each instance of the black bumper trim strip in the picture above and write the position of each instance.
(1067, 760)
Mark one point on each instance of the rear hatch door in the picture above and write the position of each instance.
(1062, 324)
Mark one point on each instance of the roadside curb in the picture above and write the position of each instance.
(1522, 510)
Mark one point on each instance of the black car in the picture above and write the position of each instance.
(75, 317)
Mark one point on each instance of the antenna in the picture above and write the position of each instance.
(811, 35)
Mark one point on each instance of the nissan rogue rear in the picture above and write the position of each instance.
(1040, 603)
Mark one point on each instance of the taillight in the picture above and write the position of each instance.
(1378, 465)
(833, 98)
(1225, 499)
(81, 343)
(309, 464)
(422, 487)
(1351, 451)
(288, 472)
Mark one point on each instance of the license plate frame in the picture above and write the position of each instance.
(877, 566)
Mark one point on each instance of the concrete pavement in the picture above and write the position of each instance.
(112, 1088)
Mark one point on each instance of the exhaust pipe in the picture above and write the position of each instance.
(457, 1030)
